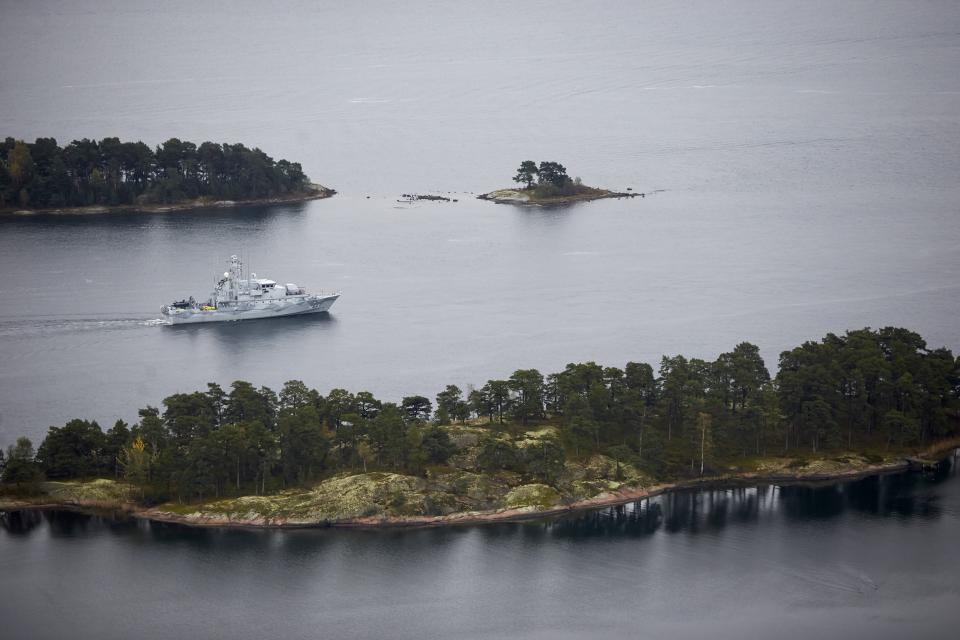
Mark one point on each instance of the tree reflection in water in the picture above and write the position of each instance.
(21, 522)
(898, 495)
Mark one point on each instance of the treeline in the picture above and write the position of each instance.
(110, 172)
(867, 391)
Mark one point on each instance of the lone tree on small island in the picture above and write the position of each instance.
(526, 173)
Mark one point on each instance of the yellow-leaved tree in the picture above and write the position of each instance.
(136, 463)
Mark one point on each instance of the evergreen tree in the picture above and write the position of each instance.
(110, 172)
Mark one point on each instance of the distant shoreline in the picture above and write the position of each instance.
(623, 496)
(315, 192)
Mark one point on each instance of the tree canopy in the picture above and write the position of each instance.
(527, 173)
(110, 172)
(868, 390)
(551, 179)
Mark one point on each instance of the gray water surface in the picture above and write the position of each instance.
(804, 157)
(441, 293)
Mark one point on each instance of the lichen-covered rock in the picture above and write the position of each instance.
(849, 462)
(342, 497)
(506, 195)
(572, 471)
(535, 496)
(91, 492)
(772, 465)
(586, 489)
(440, 503)
(543, 432)
(535, 438)
(476, 491)
(597, 476)
(465, 458)
(812, 467)
(600, 467)
(464, 437)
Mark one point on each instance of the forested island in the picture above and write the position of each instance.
(87, 175)
(523, 446)
(548, 184)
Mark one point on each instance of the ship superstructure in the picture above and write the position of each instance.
(237, 296)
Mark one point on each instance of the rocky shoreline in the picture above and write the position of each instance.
(114, 499)
(522, 197)
(620, 497)
(315, 192)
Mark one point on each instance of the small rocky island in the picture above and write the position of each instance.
(90, 176)
(548, 184)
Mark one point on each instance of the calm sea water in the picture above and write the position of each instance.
(866, 559)
(805, 161)
(806, 156)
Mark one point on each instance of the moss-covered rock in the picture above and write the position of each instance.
(348, 497)
(88, 492)
(464, 437)
(464, 458)
(605, 468)
(534, 496)
(840, 464)
(475, 491)
(600, 467)
(440, 503)
(342, 497)
(803, 466)
(542, 432)
(507, 195)
(586, 489)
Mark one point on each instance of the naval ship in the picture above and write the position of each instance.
(238, 297)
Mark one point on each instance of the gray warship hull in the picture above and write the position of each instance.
(252, 310)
